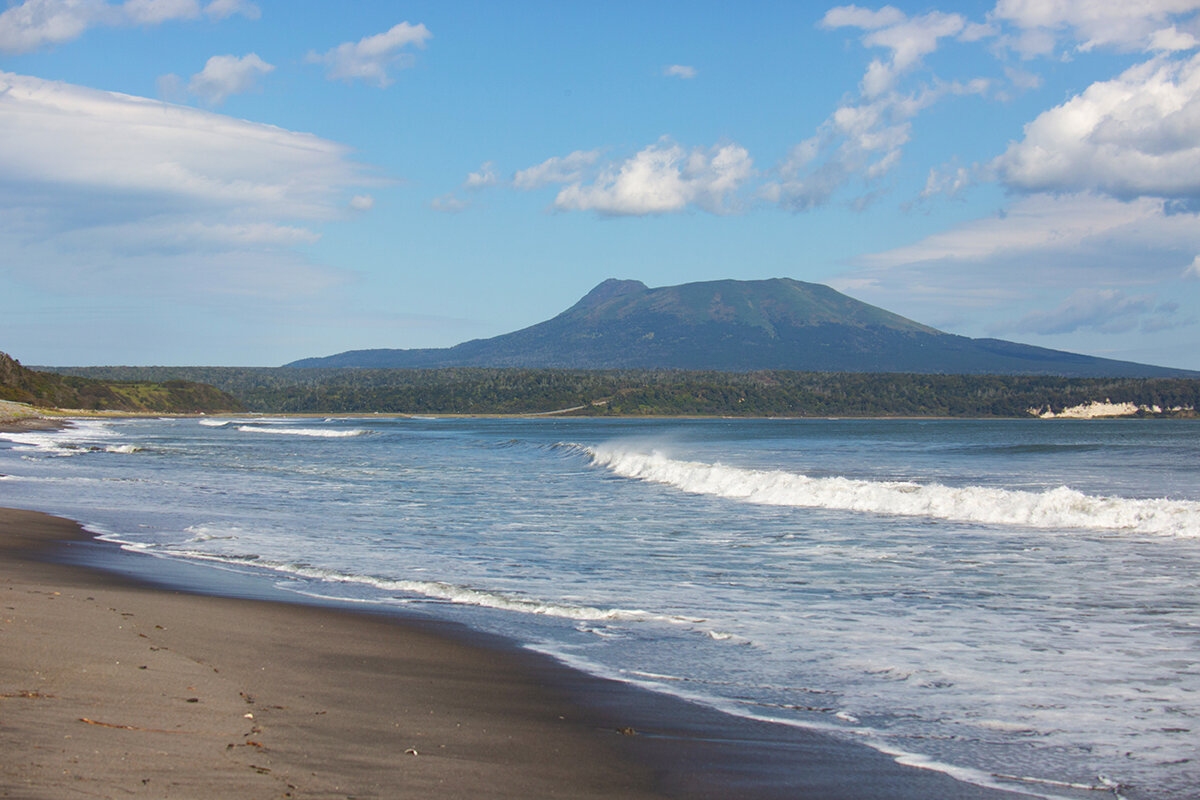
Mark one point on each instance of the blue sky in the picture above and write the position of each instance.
(247, 183)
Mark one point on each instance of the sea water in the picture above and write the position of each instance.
(989, 598)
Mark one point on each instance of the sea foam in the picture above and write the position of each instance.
(320, 433)
(1056, 508)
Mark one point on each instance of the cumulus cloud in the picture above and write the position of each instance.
(1135, 135)
(449, 203)
(865, 18)
(362, 202)
(679, 71)
(226, 75)
(35, 24)
(483, 178)
(1093, 23)
(1100, 310)
(182, 189)
(371, 57)
(559, 169)
(663, 178)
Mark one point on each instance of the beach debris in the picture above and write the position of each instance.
(126, 727)
(627, 731)
(1104, 783)
(193, 700)
(412, 751)
(249, 698)
(26, 694)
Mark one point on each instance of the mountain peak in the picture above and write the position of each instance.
(737, 326)
(606, 290)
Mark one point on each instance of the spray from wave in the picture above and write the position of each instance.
(1056, 508)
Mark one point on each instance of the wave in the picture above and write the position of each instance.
(1056, 508)
(78, 438)
(434, 590)
(321, 433)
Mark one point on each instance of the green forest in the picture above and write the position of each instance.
(657, 393)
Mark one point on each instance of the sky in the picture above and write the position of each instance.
(250, 182)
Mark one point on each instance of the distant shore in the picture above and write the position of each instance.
(109, 686)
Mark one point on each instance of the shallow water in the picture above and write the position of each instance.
(1010, 597)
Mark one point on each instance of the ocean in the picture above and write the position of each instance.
(1014, 602)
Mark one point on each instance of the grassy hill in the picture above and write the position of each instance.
(48, 390)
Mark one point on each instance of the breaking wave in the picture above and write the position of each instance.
(1056, 508)
(320, 433)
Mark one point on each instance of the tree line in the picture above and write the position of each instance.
(472, 390)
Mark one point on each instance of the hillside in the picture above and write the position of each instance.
(741, 326)
(22, 385)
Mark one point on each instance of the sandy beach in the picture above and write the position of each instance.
(113, 688)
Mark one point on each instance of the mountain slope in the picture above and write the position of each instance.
(48, 390)
(739, 326)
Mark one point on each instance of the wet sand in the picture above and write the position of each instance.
(111, 687)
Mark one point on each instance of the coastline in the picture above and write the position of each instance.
(112, 685)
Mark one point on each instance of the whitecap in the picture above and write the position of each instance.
(1056, 508)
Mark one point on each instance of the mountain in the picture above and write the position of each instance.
(48, 390)
(740, 326)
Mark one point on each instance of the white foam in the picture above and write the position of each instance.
(1056, 508)
(437, 590)
(81, 436)
(321, 433)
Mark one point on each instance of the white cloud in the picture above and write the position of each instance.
(100, 181)
(1039, 223)
(34, 24)
(909, 39)
(226, 75)
(37, 23)
(156, 12)
(864, 140)
(679, 71)
(371, 57)
(449, 203)
(362, 202)
(485, 177)
(1100, 310)
(1093, 23)
(663, 178)
(1135, 135)
(1041, 243)
(220, 9)
(1172, 39)
(856, 17)
(951, 182)
(559, 169)
(1021, 262)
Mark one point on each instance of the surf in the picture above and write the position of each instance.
(1061, 507)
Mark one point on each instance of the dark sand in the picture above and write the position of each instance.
(110, 687)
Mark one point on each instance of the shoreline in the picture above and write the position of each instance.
(111, 683)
